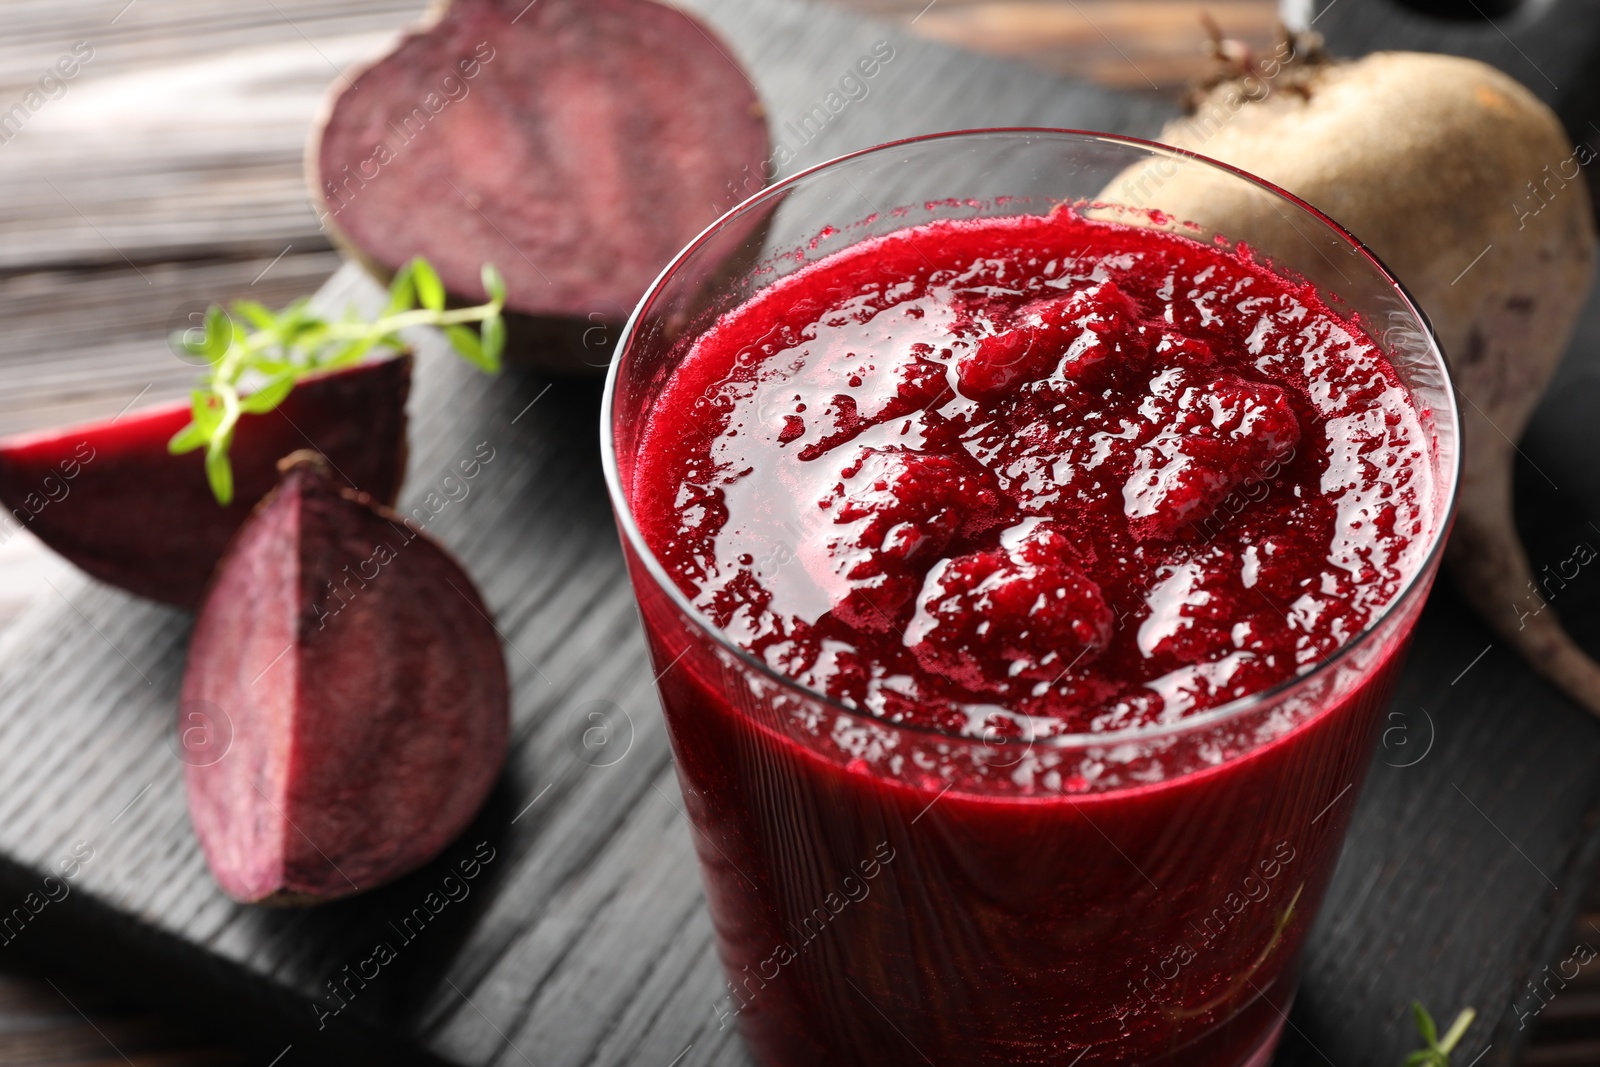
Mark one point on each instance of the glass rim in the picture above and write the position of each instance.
(1236, 708)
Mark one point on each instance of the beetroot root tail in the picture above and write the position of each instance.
(1491, 567)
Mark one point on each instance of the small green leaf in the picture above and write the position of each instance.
(351, 352)
(1437, 1054)
(304, 332)
(219, 472)
(269, 395)
(219, 333)
(205, 412)
(1425, 1026)
(402, 291)
(494, 284)
(430, 290)
(494, 342)
(255, 314)
(188, 439)
(466, 342)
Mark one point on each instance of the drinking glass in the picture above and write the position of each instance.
(892, 895)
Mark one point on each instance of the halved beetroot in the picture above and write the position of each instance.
(353, 665)
(109, 496)
(577, 144)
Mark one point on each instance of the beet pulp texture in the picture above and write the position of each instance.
(358, 683)
(579, 144)
(110, 498)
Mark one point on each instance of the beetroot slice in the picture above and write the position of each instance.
(577, 144)
(353, 664)
(109, 496)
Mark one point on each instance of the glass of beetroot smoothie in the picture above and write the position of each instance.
(1027, 527)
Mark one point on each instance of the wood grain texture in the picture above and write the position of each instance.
(180, 136)
(586, 940)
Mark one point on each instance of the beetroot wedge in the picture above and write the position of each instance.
(109, 496)
(353, 665)
(577, 144)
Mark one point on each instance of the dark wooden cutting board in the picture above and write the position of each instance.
(584, 939)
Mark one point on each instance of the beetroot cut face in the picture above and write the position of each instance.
(577, 144)
(353, 668)
(110, 498)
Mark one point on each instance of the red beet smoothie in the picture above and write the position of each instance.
(1003, 480)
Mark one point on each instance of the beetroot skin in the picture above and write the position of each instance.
(577, 144)
(355, 668)
(109, 496)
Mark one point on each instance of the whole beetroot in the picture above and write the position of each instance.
(354, 666)
(1468, 189)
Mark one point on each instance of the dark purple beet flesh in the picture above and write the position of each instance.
(577, 144)
(351, 666)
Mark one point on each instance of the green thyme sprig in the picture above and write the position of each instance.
(257, 356)
(1437, 1052)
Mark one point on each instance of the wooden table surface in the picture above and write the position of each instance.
(168, 176)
